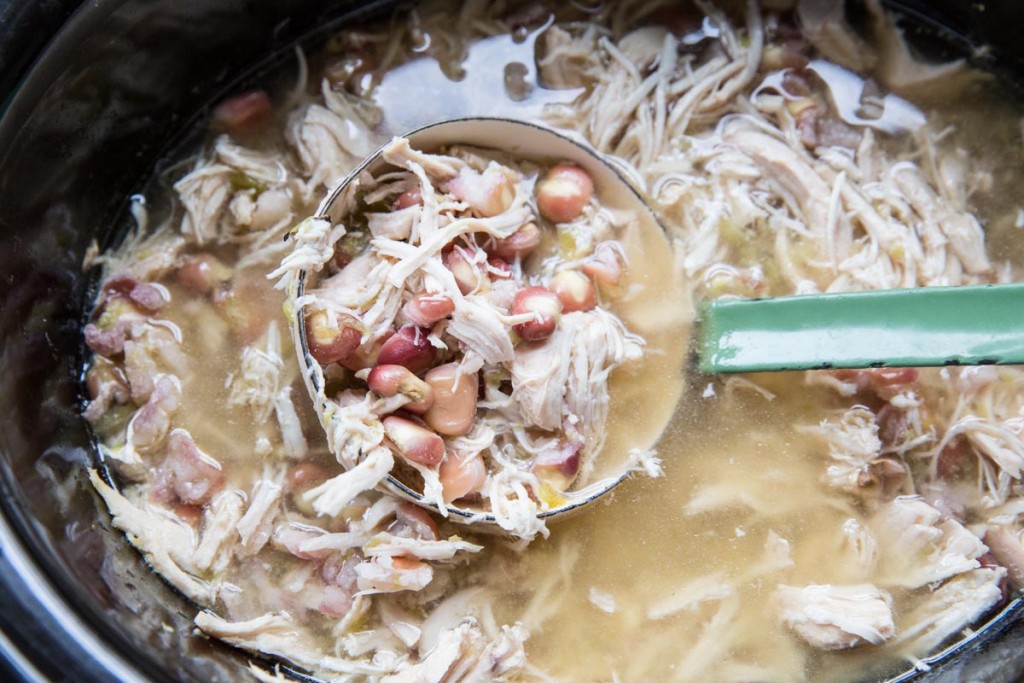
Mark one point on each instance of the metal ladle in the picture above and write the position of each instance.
(651, 274)
(901, 328)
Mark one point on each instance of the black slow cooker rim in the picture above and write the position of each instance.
(49, 633)
(44, 626)
(44, 637)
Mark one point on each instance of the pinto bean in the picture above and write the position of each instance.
(405, 564)
(412, 521)
(194, 476)
(392, 380)
(499, 269)
(415, 443)
(113, 322)
(106, 379)
(893, 424)
(517, 245)
(806, 118)
(455, 397)
(151, 423)
(563, 193)
(409, 347)
(461, 475)
(190, 514)
(547, 308)
(330, 342)
(885, 476)
(574, 290)
(408, 198)
(303, 477)
(605, 265)
(241, 113)
(426, 309)
(243, 306)
(363, 357)
(336, 602)
(339, 570)
(559, 467)
(143, 295)
(466, 267)
(954, 459)
(1007, 550)
(306, 475)
(201, 274)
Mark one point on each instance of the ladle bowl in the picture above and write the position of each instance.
(654, 279)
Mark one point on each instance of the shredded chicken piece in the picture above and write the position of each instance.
(900, 69)
(1008, 551)
(824, 24)
(957, 603)
(218, 197)
(602, 600)
(259, 378)
(293, 439)
(220, 521)
(435, 551)
(480, 327)
(918, 547)
(837, 617)
(276, 634)
(860, 544)
(566, 379)
(167, 543)
(776, 557)
(856, 453)
(330, 497)
(566, 59)
(256, 525)
(961, 229)
(463, 654)
(710, 588)
(386, 574)
(329, 140)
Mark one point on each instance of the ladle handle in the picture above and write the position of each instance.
(934, 326)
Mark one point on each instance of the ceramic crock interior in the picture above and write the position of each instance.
(90, 98)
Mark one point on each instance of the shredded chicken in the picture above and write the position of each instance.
(837, 617)
(275, 634)
(920, 547)
(954, 605)
(167, 543)
(782, 158)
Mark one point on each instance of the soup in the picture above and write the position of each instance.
(822, 525)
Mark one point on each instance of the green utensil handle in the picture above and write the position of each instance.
(933, 326)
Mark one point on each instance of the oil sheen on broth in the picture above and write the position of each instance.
(677, 578)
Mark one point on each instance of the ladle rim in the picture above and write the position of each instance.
(310, 364)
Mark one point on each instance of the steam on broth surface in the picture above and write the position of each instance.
(809, 526)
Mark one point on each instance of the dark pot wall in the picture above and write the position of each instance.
(84, 117)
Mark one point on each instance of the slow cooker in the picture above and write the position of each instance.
(91, 96)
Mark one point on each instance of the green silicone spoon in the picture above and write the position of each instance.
(974, 325)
